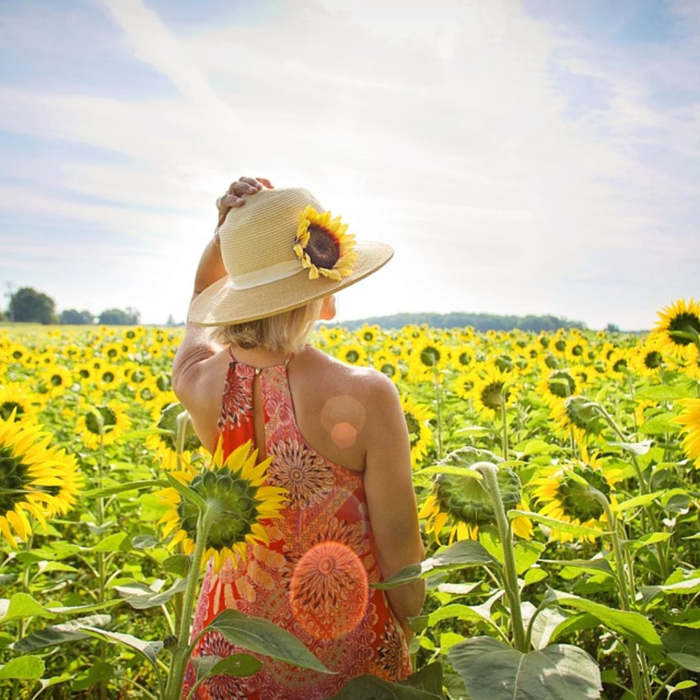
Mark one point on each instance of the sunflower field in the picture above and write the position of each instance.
(557, 478)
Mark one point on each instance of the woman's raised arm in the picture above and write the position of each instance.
(196, 346)
(391, 499)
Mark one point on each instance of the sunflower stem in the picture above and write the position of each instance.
(21, 623)
(623, 438)
(505, 429)
(510, 575)
(181, 423)
(625, 587)
(181, 654)
(101, 555)
(438, 401)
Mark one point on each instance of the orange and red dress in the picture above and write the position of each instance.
(312, 579)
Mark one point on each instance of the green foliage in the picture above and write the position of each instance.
(119, 317)
(29, 305)
(75, 317)
(460, 319)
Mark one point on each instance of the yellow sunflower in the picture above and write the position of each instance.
(419, 432)
(388, 365)
(690, 419)
(15, 398)
(56, 380)
(576, 414)
(103, 424)
(36, 479)
(353, 354)
(565, 492)
(681, 317)
(167, 420)
(463, 502)
(463, 384)
(647, 359)
(235, 488)
(491, 390)
(323, 245)
(368, 334)
(556, 385)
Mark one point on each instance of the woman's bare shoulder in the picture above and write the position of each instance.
(367, 384)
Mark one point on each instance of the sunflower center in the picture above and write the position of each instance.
(551, 361)
(685, 322)
(234, 497)
(323, 249)
(464, 358)
(413, 428)
(7, 407)
(352, 356)
(504, 363)
(561, 384)
(13, 477)
(620, 365)
(580, 412)
(109, 418)
(653, 359)
(577, 350)
(560, 345)
(492, 395)
(576, 499)
(388, 369)
(430, 356)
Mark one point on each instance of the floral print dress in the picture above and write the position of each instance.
(312, 579)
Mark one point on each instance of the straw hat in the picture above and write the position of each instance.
(281, 250)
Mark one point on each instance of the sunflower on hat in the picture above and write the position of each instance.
(323, 246)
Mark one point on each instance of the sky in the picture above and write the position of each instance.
(534, 157)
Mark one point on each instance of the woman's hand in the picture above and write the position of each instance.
(236, 193)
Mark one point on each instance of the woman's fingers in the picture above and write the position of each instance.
(236, 193)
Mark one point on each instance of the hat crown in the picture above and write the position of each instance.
(260, 235)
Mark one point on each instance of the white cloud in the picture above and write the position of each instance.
(436, 128)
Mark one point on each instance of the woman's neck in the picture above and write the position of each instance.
(260, 357)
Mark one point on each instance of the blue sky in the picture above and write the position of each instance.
(521, 157)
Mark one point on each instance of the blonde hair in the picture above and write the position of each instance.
(285, 332)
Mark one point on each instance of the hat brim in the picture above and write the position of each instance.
(221, 305)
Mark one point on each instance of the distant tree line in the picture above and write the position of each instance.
(29, 305)
(459, 319)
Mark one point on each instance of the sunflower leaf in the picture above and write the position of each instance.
(628, 623)
(22, 605)
(454, 471)
(141, 597)
(234, 665)
(554, 524)
(492, 669)
(23, 668)
(263, 637)
(637, 448)
(458, 556)
(378, 689)
(149, 649)
(58, 634)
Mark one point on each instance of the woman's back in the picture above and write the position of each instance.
(331, 402)
(313, 577)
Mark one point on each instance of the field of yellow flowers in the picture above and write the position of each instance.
(557, 482)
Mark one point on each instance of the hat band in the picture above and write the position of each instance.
(265, 275)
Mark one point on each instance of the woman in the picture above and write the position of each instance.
(335, 433)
